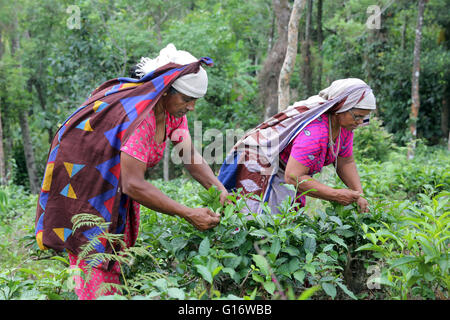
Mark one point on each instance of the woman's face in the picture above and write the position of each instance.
(352, 118)
(178, 104)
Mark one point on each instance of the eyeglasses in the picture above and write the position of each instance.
(357, 118)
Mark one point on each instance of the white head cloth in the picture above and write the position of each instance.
(193, 85)
(340, 89)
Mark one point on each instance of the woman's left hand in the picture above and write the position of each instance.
(223, 197)
(363, 205)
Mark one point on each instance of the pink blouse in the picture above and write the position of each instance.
(310, 147)
(142, 146)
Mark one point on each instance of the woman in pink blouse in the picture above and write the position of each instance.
(310, 151)
(144, 149)
(297, 143)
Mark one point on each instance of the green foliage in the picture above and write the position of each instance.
(372, 142)
(401, 179)
(267, 256)
(121, 254)
(328, 253)
(415, 249)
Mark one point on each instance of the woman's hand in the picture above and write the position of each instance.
(363, 205)
(202, 218)
(346, 196)
(223, 197)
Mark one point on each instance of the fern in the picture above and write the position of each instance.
(93, 258)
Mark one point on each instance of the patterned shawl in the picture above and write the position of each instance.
(83, 167)
(253, 164)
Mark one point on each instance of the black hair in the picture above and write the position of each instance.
(172, 90)
(132, 72)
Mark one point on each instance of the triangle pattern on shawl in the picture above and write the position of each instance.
(68, 192)
(85, 125)
(62, 233)
(73, 168)
(109, 204)
(99, 106)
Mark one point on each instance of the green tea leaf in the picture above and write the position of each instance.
(257, 278)
(161, 284)
(176, 293)
(299, 275)
(328, 247)
(330, 289)
(291, 251)
(205, 273)
(338, 240)
(308, 293)
(401, 261)
(229, 210)
(204, 246)
(346, 290)
(269, 286)
(216, 270)
(336, 219)
(275, 247)
(261, 263)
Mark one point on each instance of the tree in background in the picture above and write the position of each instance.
(56, 66)
(415, 97)
(289, 60)
(269, 75)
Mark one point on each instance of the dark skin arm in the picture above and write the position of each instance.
(140, 190)
(297, 172)
(198, 168)
(348, 173)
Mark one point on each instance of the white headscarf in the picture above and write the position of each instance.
(193, 85)
(339, 86)
(338, 89)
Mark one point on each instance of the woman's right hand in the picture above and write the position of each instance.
(346, 196)
(202, 218)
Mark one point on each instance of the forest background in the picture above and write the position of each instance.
(54, 53)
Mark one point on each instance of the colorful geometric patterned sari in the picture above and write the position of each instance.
(83, 167)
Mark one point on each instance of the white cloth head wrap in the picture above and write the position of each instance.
(193, 85)
(339, 87)
(344, 88)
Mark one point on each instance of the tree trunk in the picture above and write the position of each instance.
(445, 113)
(2, 153)
(29, 154)
(415, 106)
(23, 121)
(269, 74)
(291, 53)
(43, 102)
(8, 150)
(306, 52)
(448, 142)
(373, 36)
(319, 43)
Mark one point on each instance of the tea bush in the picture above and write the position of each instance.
(415, 249)
(373, 142)
(266, 256)
(399, 250)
